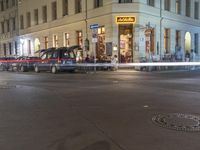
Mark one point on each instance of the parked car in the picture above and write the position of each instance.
(55, 60)
(6, 63)
(25, 63)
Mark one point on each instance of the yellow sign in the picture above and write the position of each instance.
(125, 20)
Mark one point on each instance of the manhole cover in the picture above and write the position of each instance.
(179, 122)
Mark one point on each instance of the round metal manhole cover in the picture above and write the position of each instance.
(177, 121)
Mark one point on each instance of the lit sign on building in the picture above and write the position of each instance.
(125, 20)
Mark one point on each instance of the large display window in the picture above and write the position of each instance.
(125, 43)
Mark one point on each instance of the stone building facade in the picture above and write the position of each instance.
(8, 28)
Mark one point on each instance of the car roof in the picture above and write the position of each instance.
(45, 50)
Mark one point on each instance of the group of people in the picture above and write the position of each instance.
(189, 56)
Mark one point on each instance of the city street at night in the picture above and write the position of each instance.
(102, 111)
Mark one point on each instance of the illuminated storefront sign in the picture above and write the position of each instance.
(125, 20)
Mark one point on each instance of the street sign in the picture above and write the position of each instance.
(94, 26)
(94, 35)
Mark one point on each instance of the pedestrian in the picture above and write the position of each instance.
(87, 59)
(114, 62)
(192, 58)
(187, 56)
(179, 55)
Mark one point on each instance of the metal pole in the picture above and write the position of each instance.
(161, 18)
(86, 17)
(94, 56)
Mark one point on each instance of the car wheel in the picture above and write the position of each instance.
(37, 69)
(53, 69)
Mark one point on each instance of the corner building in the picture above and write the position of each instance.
(8, 28)
(129, 29)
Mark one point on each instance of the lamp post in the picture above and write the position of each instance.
(161, 19)
(86, 42)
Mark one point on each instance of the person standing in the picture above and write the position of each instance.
(114, 62)
(192, 58)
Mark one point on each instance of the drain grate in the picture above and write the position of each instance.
(177, 121)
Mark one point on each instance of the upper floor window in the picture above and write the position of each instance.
(54, 10)
(13, 24)
(78, 7)
(2, 27)
(178, 6)
(196, 10)
(151, 2)
(28, 18)
(125, 1)
(65, 7)
(44, 14)
(98, 3)
(7, 4)
(167, 5)
(21, 22)
(2, 6)
(36, 16)
(13, 3)
(187, 8)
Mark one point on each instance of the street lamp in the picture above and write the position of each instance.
(161, 19)
(86, 42)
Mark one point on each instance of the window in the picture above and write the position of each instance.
(44, 14)
(54, 10)
(46, 40)
(196, 43)
(13, 3)
(98, 3)
(78, 7)
(178, 38)
(167, 40)
(167, 5)
(8, 25)
(36, 16)
(28, 16)
(125, 1)
(21, 22)
(13, 24)
(66, 40)
(79, 38)
(15, 47)
(55, 41)
(2, 27)
(4, 49)
(7, 4)
(196, 10)
(10, 48)
(65, 7)
(178, 6)
(2, 6)
(29, 47)
(187, 8)
(151, 2)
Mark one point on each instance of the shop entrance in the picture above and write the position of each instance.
(100, 45)
(187, 41)
(126, 43)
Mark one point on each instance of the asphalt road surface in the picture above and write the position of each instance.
(103, 111)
